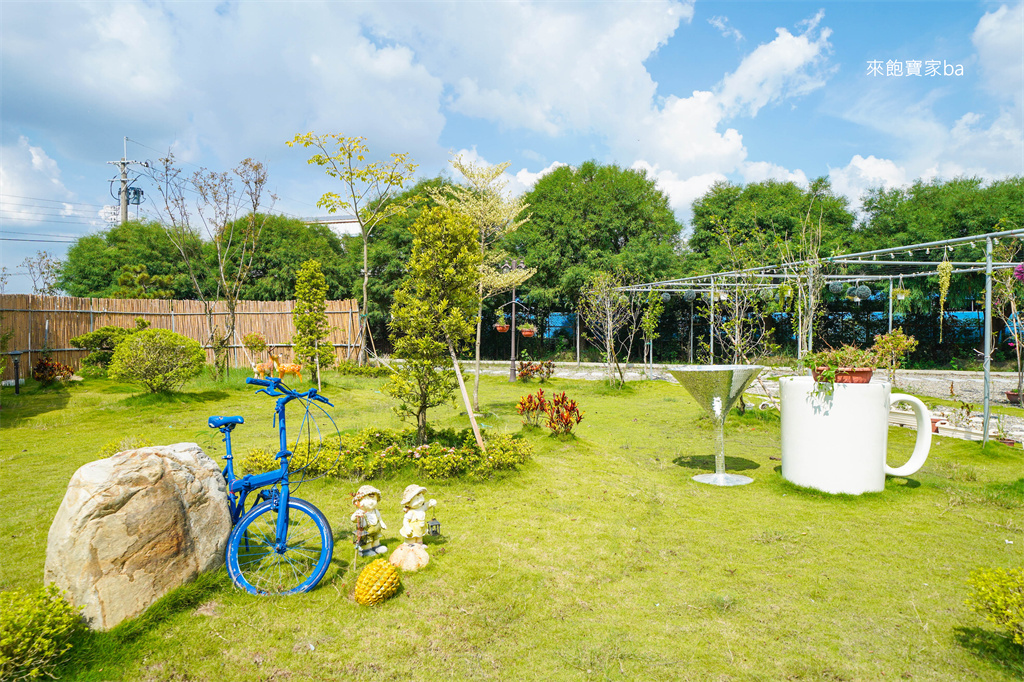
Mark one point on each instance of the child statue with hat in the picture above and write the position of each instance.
(412, 554)
(368, 521)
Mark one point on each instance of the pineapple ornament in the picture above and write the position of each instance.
(377, 582)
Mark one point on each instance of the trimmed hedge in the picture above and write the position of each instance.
(382, 453)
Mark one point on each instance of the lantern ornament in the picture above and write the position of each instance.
(434, 527)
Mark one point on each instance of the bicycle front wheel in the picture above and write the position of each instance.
(256, 566)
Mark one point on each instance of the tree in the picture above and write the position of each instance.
(495, 216)
(1007, 294)
(43, 271)
(777, 222)
(605, 311)
(220, 200)
(592, 219)
(310, 343)
(389, 249)
(654, 306)
(96, 262)
(136, 282)
(284, 244)
(434, 314)
(936, 210)
(369, 191)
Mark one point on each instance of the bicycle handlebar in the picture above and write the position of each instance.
(275, 384)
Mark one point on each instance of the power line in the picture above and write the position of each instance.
(54, 201)
(48, 241)
(59, 222)
(38, 234)
(27, 210)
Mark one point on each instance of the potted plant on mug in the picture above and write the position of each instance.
(844, 365)
(528, 329)
(501, 324)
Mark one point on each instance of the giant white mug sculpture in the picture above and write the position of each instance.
(716, 388)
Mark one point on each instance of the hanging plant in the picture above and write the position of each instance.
(836, 287)
(945, 273)
(863, 291)
(851, 292)
(689, 296)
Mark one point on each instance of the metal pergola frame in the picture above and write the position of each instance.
(769, 277)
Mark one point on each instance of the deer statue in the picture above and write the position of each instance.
(260, 370)
(286, 369)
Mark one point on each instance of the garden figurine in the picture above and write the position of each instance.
(412, 554)
(368, 521)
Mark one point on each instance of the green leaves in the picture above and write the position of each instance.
(435, 307)
(310, 344)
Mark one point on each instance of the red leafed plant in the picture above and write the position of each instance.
(531, 407)
(563, 414)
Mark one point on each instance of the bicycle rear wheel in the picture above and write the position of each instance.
(256, 566)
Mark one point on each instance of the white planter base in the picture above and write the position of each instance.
(837, 441)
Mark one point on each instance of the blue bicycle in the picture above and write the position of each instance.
(282, 545)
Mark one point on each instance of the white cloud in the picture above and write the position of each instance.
(204, 78)
(552, 68)
(999, 40)
(524, 180)
(514, 185)
(976, 144)
(861, 174)
(681, 191)
(788, 66)
(725, 28)
(759, 171)
(683, 143)
(27, 176)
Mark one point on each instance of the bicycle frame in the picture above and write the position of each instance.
(239, 488)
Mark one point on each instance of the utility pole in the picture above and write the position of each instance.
(123, 194)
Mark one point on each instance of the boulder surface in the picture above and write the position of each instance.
(135, 526)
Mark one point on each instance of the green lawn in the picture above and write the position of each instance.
(599, 560)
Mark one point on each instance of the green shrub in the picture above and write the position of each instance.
(999, 596)
(352, 369)
(508, 452)
(157, 358)
(439, 461)
(256, 461)
(383, 453)
(103, 341)
(111, 448)
(35, 630)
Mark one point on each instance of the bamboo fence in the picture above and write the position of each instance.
(48, 323)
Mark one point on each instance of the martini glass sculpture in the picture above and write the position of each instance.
(716, 388)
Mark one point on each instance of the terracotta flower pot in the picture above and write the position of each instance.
(528, 332)
(1013, 397)
(935, 423)
(1008, 441)
(847, 375)
(501, 328)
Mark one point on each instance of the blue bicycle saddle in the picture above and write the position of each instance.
(217, 422)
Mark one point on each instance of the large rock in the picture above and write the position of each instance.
(135, 526)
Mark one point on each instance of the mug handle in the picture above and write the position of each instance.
(924, 436)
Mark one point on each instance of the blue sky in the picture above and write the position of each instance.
(692, 92)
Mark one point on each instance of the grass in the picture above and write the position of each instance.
(601, 560)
